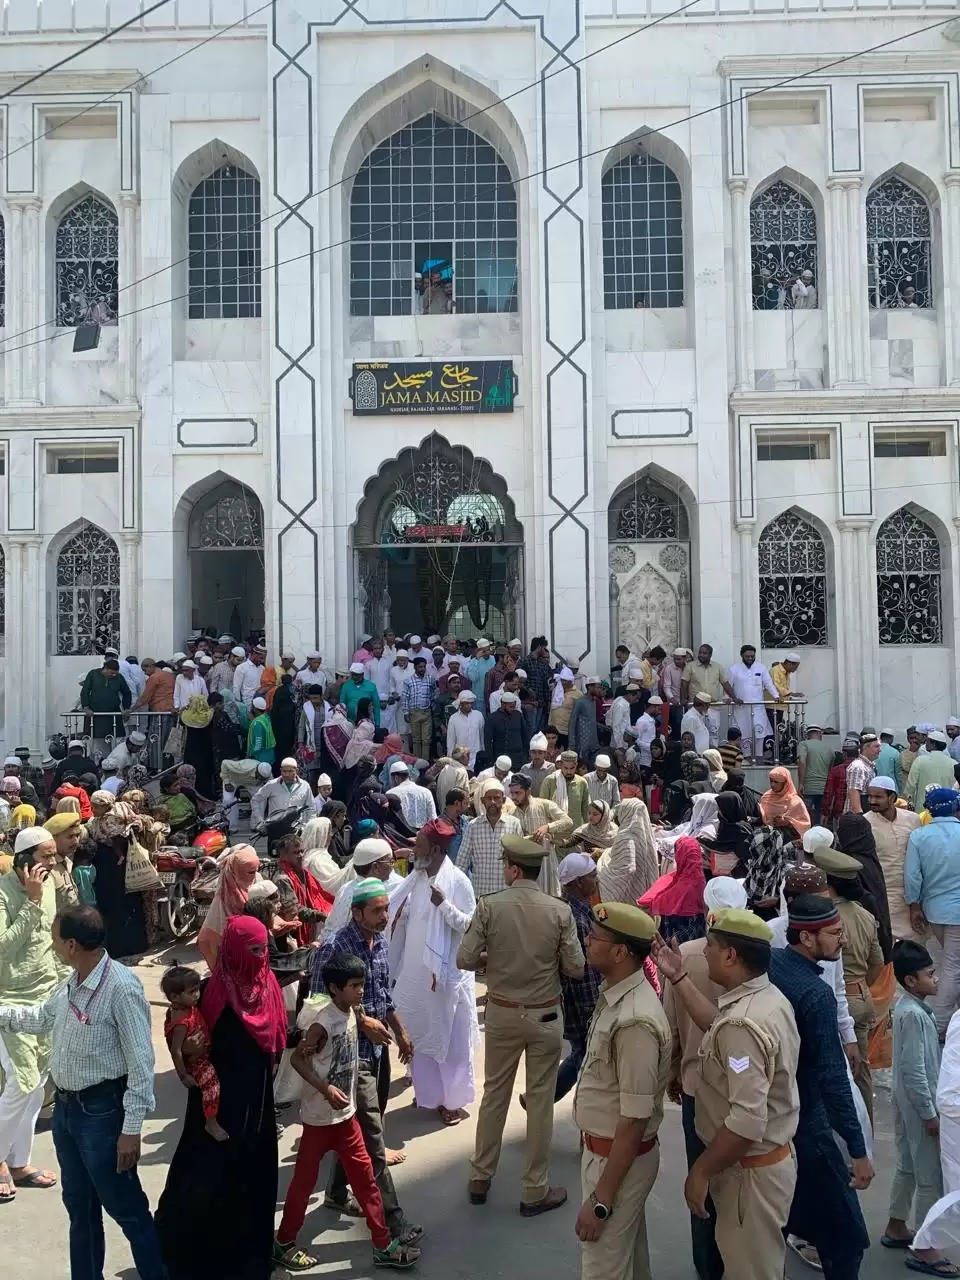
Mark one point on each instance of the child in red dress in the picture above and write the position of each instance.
(188, 1039)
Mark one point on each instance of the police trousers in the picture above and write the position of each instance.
(511, 1034)
(621, 1252)
(752, 1207)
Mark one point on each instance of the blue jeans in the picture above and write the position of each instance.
(85, 1132)
(569, 1069)
(814, 808)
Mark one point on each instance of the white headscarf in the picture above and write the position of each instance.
(722, 892)
(629, 867)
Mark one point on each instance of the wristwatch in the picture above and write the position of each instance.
(600, 1211)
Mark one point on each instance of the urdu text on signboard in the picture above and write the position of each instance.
(453, 386)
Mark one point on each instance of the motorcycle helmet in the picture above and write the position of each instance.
(211, 842)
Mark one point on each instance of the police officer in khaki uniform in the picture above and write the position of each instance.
(529, 939)
(747, 1105)
(618, 1104)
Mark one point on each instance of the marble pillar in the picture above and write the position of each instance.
(131, 605)
(128, 319)
(26, 703)
(24, 319)
(748, 574)
(951, 274)
(742, 290)
(857, 643)
(848, 320)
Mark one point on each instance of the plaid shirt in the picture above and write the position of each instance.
(417, 693)
(376, 985)
(481, 853)
(860, 773)
(579, 994)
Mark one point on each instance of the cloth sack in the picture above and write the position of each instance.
(140, 873)
(176, 742)
(198, 713)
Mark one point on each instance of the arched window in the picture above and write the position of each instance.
(86, 261)
(88, 592)
(646, 511)
(908, 580)
(898, 245)
(783, 249)
(433, 225)
(230, 518)
(642, 234)
(223, 227)
(793, 583)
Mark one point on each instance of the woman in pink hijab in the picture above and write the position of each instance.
(677, 897)
(238, 870)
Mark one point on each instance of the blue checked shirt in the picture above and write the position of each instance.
(579, 994)
(417, 694)
(376, 985)
(101, 1031)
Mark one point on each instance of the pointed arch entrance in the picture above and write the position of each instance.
(438, 546)
(225, 547)
(648, 531)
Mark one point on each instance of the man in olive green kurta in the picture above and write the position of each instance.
(29, 973)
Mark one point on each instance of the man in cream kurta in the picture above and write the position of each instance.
(29, 974)
(891, 828)
(543, 821)
(429, 915)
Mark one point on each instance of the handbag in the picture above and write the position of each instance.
(176, 742)
(140, 874)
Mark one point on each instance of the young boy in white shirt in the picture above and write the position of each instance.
(326, 1058)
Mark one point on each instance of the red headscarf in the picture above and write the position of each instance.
(309, 893)
(244, 981)
(680, 892)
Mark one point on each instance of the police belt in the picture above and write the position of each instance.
(767, 1158)
(603, 1146)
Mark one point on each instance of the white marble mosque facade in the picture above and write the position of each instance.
(742, 415)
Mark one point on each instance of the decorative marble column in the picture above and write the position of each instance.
(13, 644)
(129, 297)
(26, 708)
(742, 314)
(748, 577)
(951, 255)
(847, 309)
(130, 602)
(856, 625)
(24, 302)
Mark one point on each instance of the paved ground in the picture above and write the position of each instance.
(462, 1242)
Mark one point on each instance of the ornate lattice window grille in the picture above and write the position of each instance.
(898, 246)
(642, 208)
(438, 499)
(433, 186)
(223, 228)
(86, 264)
(793, 584)
(88, 593)
(646, 511)
(909, 566)
(230, 519)
(783, 244)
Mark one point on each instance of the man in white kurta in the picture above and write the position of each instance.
(750, 681)
(429, 915)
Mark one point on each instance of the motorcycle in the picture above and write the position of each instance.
(181, 871)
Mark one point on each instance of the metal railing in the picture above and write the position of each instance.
(785, 729)
(155, 724)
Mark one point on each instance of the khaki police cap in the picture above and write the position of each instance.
(741, 924)
(527, 853)
(625, 920)
(838, 864)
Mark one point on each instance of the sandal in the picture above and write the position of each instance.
(41, 1178)
(410, 1233)
(449, 1118)
(289, 1256)
(942, 1267)
(896, 1242)
(398, 1255)
(807, 1252)
(8, 1191)
(350, 1207)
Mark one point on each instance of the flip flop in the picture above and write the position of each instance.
(37, 1178)
(941, 1268)
(449, 1118)
(896, 1242)
(7, 1189)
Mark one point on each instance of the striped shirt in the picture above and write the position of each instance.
(101, 1031)
(481, 853)
(417, 694)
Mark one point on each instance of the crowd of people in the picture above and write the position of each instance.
(591, 849)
